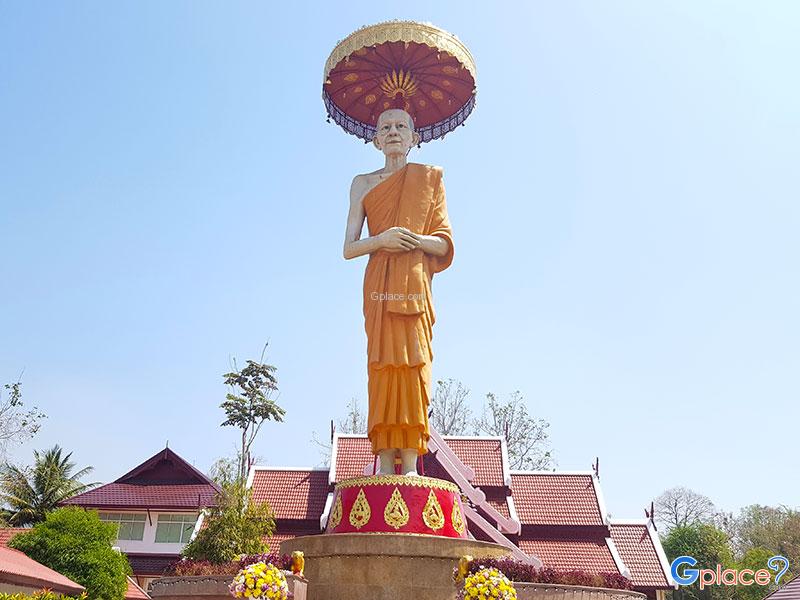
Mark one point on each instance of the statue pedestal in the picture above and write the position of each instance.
(390, 537)
(397, 504)
(384, 566)
(211, 587)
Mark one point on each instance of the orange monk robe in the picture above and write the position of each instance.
(398, 307)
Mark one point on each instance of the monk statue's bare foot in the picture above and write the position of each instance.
(387, 462)
(409, 458)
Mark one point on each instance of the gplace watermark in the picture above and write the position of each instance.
(722, 576)
(385, 296)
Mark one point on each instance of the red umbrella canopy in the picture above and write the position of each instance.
(418, 67)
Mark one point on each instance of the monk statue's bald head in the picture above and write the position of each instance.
(394, 132)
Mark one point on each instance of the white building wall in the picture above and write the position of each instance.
(148, 543)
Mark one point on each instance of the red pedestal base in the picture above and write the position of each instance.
(397, 504)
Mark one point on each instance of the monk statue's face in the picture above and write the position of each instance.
(395, 132)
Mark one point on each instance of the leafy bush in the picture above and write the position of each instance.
(43, 595)
(187, 566)
(282, 561)
(525, 573)
(233, 527)
(77, 544)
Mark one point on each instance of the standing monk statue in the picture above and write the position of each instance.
(410, 239)
(399, 84)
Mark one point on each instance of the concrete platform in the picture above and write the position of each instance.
(211, 587)
(361, 566)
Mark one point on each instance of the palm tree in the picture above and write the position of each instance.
(30, 493)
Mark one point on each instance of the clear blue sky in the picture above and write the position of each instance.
(624, 200)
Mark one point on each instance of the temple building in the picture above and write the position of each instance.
(558, 517)
(156, 506)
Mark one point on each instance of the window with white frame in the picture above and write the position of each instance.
(130, 526)
(175, 529)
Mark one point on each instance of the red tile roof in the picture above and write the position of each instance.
(163, 481)
(555, 499)
(589, 556)
(500, 506)
(484, 455)
(16, 568)
(432, 468)
(637, 550)
(562, 513)
(6, 533)
(292, 494)
(134, 592)
(789, 591)
(165, 467)
(352, 455)
(129, 496)
(151, 564)
(275, 541)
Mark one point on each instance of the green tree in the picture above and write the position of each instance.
(30, 493)
(225, 470)
(76, 543)
(710, 546)
(354, 422)
(680, 506)
(450, 411)
(16, 423)
(249, 403)
(526, 436)
(755, 559)
(356, 419)
(775, 528)
(236, 525)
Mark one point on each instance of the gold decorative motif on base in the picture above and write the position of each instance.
(336, 514)
(401, 504)
(416, 481)
(361, 512)
(396, 512)
(432, 514)
(457, 518)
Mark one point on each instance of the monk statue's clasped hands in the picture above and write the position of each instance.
(399, 239)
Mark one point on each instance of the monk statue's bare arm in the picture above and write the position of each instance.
(395, 239)
(433, 244)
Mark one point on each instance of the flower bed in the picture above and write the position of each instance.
(43, 595)
(200, 578)
(487, 582)
(260, 580)
(524, 573)
(189, 567)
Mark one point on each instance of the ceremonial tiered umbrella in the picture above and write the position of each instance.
(418, 67)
